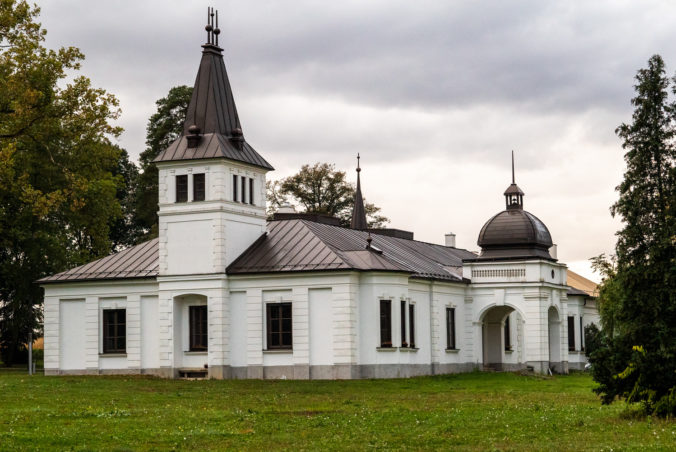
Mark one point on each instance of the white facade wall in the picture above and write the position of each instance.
(73, 333)
(336, 324)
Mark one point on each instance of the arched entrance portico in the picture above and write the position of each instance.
(501, 335)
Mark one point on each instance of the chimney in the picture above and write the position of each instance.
(286, 208)
(552, 251)
(450, 239)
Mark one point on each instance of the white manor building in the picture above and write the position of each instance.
(226, 293)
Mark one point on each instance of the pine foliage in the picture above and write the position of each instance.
(636, 358)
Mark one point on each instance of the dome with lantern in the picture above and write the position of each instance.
(514, 233)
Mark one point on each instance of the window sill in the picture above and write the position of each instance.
(509, 352)
(196, 352)
(278, 351)
(386, 349)
(112, 355)
(408, 349)
(452, 350)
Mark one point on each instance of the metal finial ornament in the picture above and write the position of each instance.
(358, 168)
(208, 27)
(212, 31)
(217, 31)
(369, 240)
(513, 167)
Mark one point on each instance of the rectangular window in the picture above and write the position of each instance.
(114, 331)
(385, 323)
(279, 325)
(581, 335)
(234, 187)
(411, 325)
(571, 333)
(403, 324)
(198, 192)
(182, 188)
(450, 328)
(508, 335)
(199, 338)
(243, 200)
(251, 191)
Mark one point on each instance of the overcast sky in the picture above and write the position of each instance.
(433, 95)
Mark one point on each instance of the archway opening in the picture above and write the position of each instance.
(499, 337)
(554, 327)
(191, 331)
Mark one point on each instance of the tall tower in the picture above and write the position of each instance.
(211, 181)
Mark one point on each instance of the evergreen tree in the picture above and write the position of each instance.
(164, 126)
(637, 357)
(57, 169)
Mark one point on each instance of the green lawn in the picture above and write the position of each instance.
(485, 411)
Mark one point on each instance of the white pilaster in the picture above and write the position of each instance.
(51, 333)
(300, 327)
(92, 347)
(134, 331)
(255, 327)
(166, 322)
(345, 299)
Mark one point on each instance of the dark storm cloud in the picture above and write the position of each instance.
(537, 55)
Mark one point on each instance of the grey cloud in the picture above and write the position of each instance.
(457, 84)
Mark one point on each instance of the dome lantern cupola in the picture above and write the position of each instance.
(513, 194)
(514, 233)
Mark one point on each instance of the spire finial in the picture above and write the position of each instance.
(212, 31)
(513, 167)
(358, 168)
(217, 31)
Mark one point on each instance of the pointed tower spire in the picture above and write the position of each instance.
(212, 128)
(212, 107)
(358, 213)
(513, 194)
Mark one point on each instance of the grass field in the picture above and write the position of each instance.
(479, 411)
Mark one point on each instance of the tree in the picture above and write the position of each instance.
(124, 230)
(321, 189)
(57, 169)
(164, 126)
(637, 357)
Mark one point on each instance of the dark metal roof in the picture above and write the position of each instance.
(212, 146)
(212, 118)
(513, 189)
(514, 233)
(140, 261)
(293, 246)
(301, 245)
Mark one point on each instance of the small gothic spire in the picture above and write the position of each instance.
(358, 212)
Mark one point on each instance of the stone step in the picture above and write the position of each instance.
(193, 373)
